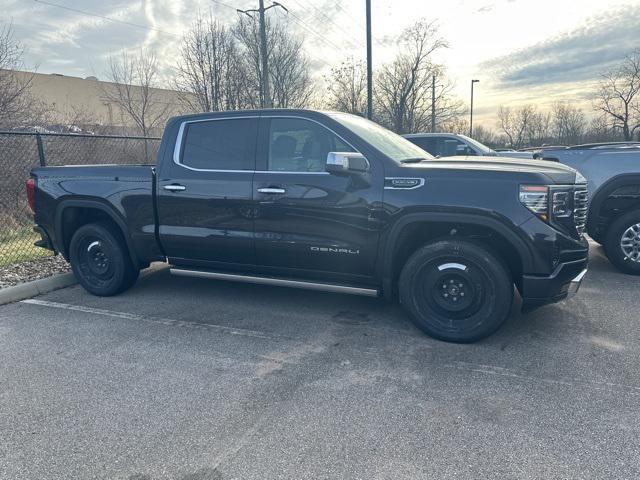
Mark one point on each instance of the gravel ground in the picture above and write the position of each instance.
(28, 271)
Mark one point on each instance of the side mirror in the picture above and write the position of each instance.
(343, 163)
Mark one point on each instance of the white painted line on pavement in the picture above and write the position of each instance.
(161, 321)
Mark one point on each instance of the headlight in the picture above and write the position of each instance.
(536, 199)
(560, 204)
(548, 202)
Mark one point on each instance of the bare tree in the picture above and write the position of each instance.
(617, 95)
(17, 105)
(403, 87)
(601, 130)
(568, 123)
(289, 72)
(539, 129)
(347, 87)
(485, 136)
(211, 71)
(517, 124)
(133, 90)
(458, 124)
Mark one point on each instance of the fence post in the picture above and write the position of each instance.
(43, 162)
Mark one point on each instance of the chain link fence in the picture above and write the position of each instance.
(21, 151)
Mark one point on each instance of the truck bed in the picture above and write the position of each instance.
(126, 190)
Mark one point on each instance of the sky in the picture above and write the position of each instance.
(522, 51)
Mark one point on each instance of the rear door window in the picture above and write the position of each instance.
(228, 144)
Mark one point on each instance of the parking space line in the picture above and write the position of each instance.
(509, 372)
(157, 320)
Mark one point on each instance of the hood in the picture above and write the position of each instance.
(557, 172)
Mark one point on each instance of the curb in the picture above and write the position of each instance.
(36, 287)
(56, 282)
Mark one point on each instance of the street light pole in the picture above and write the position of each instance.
(369, 65)
(471, 116)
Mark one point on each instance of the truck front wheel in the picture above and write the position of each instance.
(456, 290)
(100, 260)
(622, 243)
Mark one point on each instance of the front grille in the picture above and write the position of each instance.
(580, 204)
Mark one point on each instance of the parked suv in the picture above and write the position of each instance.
(325, 201)
(613, 173)
(451, 144)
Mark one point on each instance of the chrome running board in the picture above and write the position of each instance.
(281, 282)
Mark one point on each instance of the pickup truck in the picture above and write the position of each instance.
(613, 174)
(453, 144)
(325, 201)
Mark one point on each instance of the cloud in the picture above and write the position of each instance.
(486, 8)
(574, 56)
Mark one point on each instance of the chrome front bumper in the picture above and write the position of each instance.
(574, 285)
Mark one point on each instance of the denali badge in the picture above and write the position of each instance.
(335, 250)
(402, 183)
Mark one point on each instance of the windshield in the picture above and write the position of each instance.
(479, 146)
(389, 143)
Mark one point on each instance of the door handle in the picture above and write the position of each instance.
(175, 188)
(271, 190)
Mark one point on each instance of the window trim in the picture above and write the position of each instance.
(180, 139)
(181, 133)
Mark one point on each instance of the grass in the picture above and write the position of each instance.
(17, 246)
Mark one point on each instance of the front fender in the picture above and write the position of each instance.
(389, 240)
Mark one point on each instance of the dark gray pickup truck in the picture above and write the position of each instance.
(325, 201)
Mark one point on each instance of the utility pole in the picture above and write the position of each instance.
(266, 91)
(265, 100)
(433, 103)
(471, 116)
(369, 65)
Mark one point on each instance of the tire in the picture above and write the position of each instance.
(456, 290)
(625, 229)
(100, 260)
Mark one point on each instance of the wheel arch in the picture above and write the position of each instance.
(71, 214)
(597, 215)
(414, 230)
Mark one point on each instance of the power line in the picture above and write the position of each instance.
(224, 4)
(115, 20)
(360, 24)
(353, 44)
(312, 31)
(236, 9)
(297, 20)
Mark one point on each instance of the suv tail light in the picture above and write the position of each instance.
(31, 192)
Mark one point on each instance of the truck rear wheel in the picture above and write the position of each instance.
(622, 243)
(100, 260)
(456, 290)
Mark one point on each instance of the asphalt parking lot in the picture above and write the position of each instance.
(184, 378)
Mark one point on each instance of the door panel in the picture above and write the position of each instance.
(309, 219)
(206, 215)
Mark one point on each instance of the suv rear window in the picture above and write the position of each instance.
(227, 144)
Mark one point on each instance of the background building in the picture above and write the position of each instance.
(68, 102)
